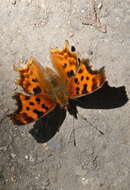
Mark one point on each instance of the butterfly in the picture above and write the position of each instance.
(45, 87)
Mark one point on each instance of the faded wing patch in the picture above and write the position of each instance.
(30, 108)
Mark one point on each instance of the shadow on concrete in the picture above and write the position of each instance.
(105, 98)
(46, 127)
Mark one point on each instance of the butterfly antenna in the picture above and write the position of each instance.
(85, 119)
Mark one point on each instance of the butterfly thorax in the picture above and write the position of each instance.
(57, 89)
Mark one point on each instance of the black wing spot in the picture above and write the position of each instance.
(94, 85)
(65, 65)
(19, 103)
(39, 113)
(36, 90)
(82, 77)
(34, 80)
(87, 78)
(31, 103)
(27, 97)
(80, 71)
(37, 99)
(84, 91)
(70, 73)
(27, 108)
(75, 80)
(44, 107)
(77, 90)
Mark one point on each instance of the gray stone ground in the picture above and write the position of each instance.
(100, 30)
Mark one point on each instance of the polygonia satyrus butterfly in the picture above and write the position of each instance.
(69, 79)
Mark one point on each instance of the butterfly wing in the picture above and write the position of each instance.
(31, 77)
(31, 108)
(78, 75)
(86, 80)
(65, 61)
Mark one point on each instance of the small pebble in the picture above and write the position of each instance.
(26, 157)
(100, 5)
(13, 155)
(82, 11)
(13, 2)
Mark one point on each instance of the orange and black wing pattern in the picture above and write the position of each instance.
(86, 80)
(65, 61)
(37, 104)
(31, 77)
(30, 108)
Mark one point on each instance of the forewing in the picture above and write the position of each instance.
(30, 108)
(86, 80)
(65, 61)
(31, 77)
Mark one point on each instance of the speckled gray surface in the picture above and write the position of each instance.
(97, 162)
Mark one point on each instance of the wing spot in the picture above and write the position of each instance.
(31, 103)
(27, 97)
(37, 99)
(94, 85)
(82, 77)
(75, 80)
(87, 78)
(70, 73)
(84, 91)
(80, 71)
(65, 65)
(39, 113)
(36, 90)
(77, 90)
(19, 103)
(34, 80)
(27, 108)
(44, 107)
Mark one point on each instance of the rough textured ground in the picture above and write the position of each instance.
(99, 31)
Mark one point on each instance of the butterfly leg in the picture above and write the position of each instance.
(72, 109)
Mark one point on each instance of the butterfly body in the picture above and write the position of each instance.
(57, 90)
(70, 78)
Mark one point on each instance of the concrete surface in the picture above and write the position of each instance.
(37, 157)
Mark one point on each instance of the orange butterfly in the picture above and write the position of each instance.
(69, 79)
